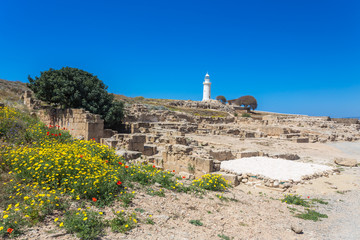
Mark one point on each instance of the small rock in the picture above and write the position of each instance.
(297, 229)
(347, 162)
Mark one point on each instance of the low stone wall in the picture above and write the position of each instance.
(80, 123)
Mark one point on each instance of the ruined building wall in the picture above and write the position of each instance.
(81, 124)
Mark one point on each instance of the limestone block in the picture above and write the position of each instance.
(231, 178)
(128, 155)
(248, 154)
(149, 150)
(221, 154)
(178, 140)
(136, 147)
(182, 149)
(204, 165)
(139, 138)
(348, 162)
(301, 140)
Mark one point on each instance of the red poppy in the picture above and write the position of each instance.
(173, 170)
(94, 139)
(126, 166)
(118, 183)
(81, 156)
(120, 163)
(106, 161)
(308, 197)
(183, 177)
(9, 230)
(52, 134)
(55, 135)
(47, 133)
(153, 166)
(59, 134)
(94, 199)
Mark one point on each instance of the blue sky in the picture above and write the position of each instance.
(296, 56)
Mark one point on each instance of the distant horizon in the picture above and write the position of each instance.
(294, 57)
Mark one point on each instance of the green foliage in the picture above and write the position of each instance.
(85, 224)
(75, 88)
(122, 223)
(224, 237)
(245, 115)
(296, 200)
(213, 182)
(196, 222)
(319, 200)
(159, 193)
(126, 198)
(149, 221)
(311, 215)
(221, 99)
(248, 101)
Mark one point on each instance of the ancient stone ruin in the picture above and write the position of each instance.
(191, 145)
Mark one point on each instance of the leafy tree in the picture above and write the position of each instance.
(221, 99)
(75, 88)
(248, 102)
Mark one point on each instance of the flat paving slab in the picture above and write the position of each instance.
(273, 168)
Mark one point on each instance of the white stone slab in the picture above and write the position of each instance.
(274, 168)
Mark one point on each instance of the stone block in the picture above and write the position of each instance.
(139, 138)
(204, 165)
(177, 148)
(128, 155)
(231, 178)
(221, 154)
(301, 140)
(149, 150)
(248, 154)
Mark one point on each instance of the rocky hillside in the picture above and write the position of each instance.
(11, 91)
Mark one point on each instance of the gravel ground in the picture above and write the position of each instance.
(343, 211)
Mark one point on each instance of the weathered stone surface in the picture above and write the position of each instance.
(301, 140)
(150, 150)
(297, 229)
(128, 155)
(221, 154)
(287, 156)
(347, 162)
(248, 154)
(232, 178)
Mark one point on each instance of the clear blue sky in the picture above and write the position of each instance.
(298, 56)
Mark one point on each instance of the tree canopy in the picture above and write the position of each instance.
(221, 99)
(248, 101)
(75, 88)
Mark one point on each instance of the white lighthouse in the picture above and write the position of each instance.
(207, 88)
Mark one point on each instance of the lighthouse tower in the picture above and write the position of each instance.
(207, 88)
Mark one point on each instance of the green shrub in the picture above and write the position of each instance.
(85, 224)
(296, 200)
(196, 222)
(75, 88)
(122, 223)
(311, 215)
(245, 115)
